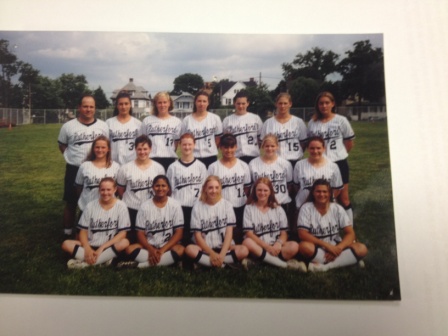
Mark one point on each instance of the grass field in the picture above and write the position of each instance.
(32, 262)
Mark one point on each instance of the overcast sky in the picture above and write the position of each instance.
(154, 60)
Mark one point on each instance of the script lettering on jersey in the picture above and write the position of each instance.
(330, 133)
(324, 232)
(123, 135)
(238, 130)
(274, 176)
(155, 129)
(85, 138)
(156, 225)
(202, 133)
(93, 182)
(234, 180)
(185, 181)
(103, 225)
(139, 185)
(213, 223)
(272, 227)
(287, 134)
(307, 183)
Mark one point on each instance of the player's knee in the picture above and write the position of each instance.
(241, 252)
(306, 249)
(192, 251)
(360, 250)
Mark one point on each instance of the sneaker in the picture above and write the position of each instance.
(76, 264)
(361, 264)
(247, 263)
(127, 264)
(312, 267)
(296, 265)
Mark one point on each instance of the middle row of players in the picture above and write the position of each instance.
(187, 175)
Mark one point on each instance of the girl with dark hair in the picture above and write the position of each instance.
(235, 180)
(123, 129)
(135, 180)
(163, 129)
(326, 234)
(159, 228)
(206, 128)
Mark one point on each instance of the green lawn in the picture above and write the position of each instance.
(32, 262)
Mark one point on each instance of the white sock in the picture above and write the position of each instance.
(106, 255)
(270, 259)
(349, 212)
(68, 232)
(319, 258)
(346, 258)
(79, 255)
(204, 260)
(167, 259)
(228, 259)
(142, 256)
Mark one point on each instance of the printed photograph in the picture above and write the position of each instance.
(251, 166)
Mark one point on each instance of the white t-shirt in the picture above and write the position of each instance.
(163, 134)
(266, 226)
(122, 138)
(247, 129)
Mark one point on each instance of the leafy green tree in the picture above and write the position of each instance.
(8, 62)
(303, 91)
(260, 100)
(315, 63)
(362, 72)
(101, 100)
(28, 77)
(187, 82)
(72, 88)
(47, 94)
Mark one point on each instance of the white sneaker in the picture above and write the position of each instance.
(127, 264)
(296, 265)
(361, 264)
(247, 263)
(76, 264)
(312, 267)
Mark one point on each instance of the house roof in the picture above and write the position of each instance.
(137, 92)
(226, 86)
(183, 94)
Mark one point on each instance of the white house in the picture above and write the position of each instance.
(230, 89)
(140, 98)
(183, 104)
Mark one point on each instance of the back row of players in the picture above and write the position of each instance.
(148, 149)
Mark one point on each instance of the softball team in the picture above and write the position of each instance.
(201, 208)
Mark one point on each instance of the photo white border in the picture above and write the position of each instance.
(415, 48)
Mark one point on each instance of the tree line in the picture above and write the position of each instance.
(38, 91)
(358, 76)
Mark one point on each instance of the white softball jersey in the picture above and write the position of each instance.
(163, 134)
(102, 225)
(122, 139)
(138, 182)
(159, 224)
(334, 132)
(305, 174)
(290, 135)
(204, 133)
(326, 227)
(279, 172)
(233, 181)
(79, 137)
(266, 226)
(89, 177)
(212, 221)
(186, 180)
(247, 130)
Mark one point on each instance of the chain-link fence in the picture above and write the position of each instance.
(17, 116)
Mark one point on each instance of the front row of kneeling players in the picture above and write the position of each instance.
(160, 220)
